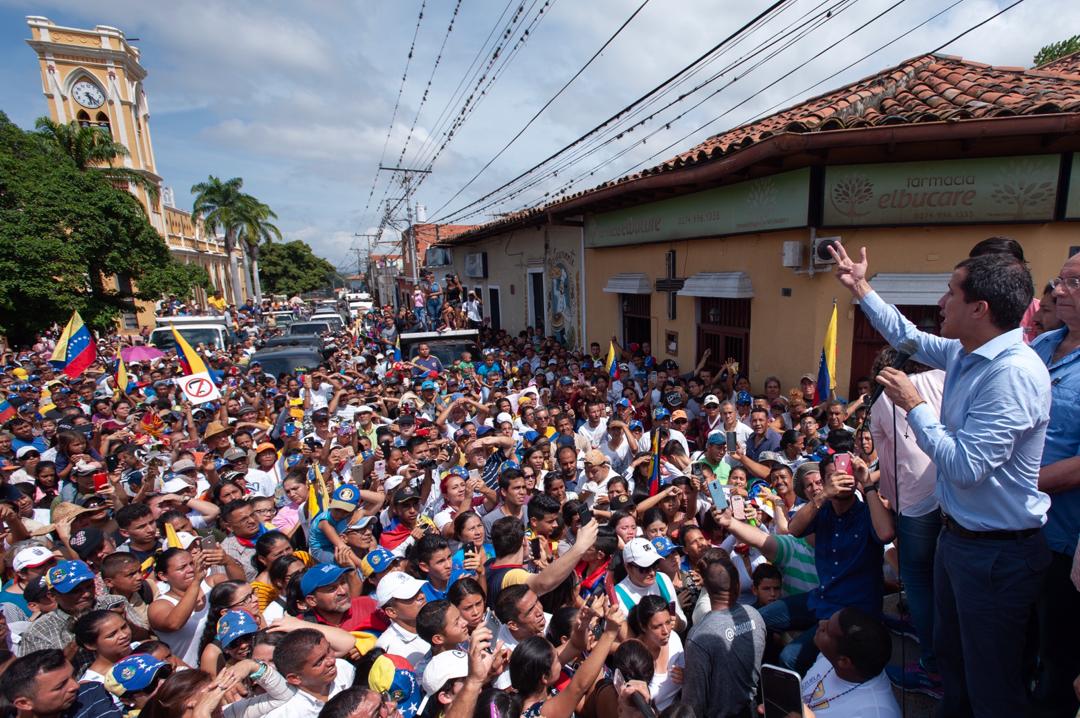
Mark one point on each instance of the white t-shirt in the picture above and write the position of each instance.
(398, 642)
(829, 695)
(594, 435)
(661, 687)
(619, 456)
(508, 641)
(262, 483)
(304, 705)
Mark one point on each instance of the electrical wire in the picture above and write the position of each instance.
(755, 20)
(397, 102)
(547, 104)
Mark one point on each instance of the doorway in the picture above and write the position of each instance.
(536, 300)
(724, 328)
(866, 342)
(636, 318)
(494, 308)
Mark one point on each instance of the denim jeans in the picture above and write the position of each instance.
(793, 613)
(434, 310)
(917, 538)
(984, 592)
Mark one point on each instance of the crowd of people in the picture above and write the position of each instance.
(531, 532)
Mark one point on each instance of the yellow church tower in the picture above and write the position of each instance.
(94, 77)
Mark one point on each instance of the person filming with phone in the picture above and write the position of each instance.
(987, 446)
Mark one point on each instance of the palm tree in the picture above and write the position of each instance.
(222, 206)
(255, 231)
(93, 150)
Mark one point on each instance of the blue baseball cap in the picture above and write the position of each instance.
(134, 673)
(318, 576)
(508, 465)
(65, 576)
(459, 471)
(717, 438)
(663, 546)
(744, 398)
(429, 384)
(661, 413)
(483, 430)
(233, 625)
(531, 436)
(346, 497)
(635, 425)
(376, 561)
(623, 403)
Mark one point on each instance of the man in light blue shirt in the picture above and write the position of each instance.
(987, 447)
(1059, 602)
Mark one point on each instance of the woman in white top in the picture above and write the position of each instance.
(652, 623)
(179, 615)
(107, 634)
(281, 572)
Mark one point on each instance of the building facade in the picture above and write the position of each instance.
(95, 78)
(714, 250)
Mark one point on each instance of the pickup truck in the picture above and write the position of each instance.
(448, 345)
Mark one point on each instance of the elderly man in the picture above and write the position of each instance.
(1059, 603)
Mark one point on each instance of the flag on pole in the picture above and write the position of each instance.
(172, 539)
(75, 350)
(190, 361)
(397, 348)
(611, 364)
(324, 492)
(7, 411)
(826, 377)
(654, 464)
(45, 401)
(121, 376)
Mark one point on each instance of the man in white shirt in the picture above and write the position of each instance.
(642, 579)
(598, 473)
(848, 677)
(401, 597)
(617, 446)
(519, 611)
(308, 663)
(595, 429)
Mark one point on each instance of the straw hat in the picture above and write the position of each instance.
(216, 428)
(67, 511)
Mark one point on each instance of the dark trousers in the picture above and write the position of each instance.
(984, 590)
(1058, 611)
(918, 536)
(792, 613)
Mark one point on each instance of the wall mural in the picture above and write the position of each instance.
(564, 302)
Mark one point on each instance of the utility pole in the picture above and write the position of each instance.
(406, 183)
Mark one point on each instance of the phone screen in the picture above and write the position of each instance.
(732, 441)
(716, 493)
(781, 689)
(101, 480)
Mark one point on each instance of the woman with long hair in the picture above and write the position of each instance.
(196, 694)
(224, 597)
(467, 594)
(178, 616)
(107, 635)
(535, 669)
(652, 623)
(281, 572)
(268, 548)
(634, 663)
(469, 534)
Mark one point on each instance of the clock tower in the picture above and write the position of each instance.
(95, 77)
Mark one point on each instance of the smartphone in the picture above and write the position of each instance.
(717, 494)
(534, 546)
(209, 543)
(781, 690)
(112, 461)
(585, 513)
(738, 507)
(732, 441)
(842, 462)
(474, 474)
(380, 468)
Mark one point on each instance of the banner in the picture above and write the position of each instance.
(198, 388)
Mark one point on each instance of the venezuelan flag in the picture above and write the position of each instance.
(121, 376)
(654, 464)
(826, 377)
(611, 364)
(75, 350)
(397, 349)
(190, 361)
(7, 411)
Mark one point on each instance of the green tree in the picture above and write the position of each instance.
(254, 232)
(223, 206)
(92, 149)
(1051, 52)
(62, 232)
(291, 268)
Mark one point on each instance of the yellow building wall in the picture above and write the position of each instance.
(786, 332)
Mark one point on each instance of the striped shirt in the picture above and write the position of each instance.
(795, 559)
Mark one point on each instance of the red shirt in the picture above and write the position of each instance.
(363, 615)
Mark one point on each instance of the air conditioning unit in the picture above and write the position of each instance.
(476, 265)
(819, 252)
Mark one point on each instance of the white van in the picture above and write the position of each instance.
(210, 331)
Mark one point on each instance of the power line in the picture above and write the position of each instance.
(397, 102)
(427, 87)
(547, 104)
(757, 18)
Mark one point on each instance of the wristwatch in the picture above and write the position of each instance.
(259, 672)
(868, 489)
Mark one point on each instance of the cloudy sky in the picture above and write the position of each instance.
(297, 98)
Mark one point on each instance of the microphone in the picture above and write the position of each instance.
(904, 352)
(644, 708)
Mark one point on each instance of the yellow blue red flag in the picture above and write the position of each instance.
(76, 349)
(826, 377)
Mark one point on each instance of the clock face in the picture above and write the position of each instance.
(88, 94)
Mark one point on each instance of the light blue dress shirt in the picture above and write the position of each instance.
(1062, 437)
(988, 444)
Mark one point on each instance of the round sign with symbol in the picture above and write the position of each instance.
(199, 388)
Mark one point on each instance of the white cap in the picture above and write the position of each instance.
(444, 667)
(400, 585)
(87, 467)
(392, 482)
(364, 407)
(503, 417)
(23, 451)
(175, 485)
(30, 557)
(640, 552)
(711, 399)
(186, 539)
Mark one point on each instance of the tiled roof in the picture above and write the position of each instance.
(928, 88)
(430, 232)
